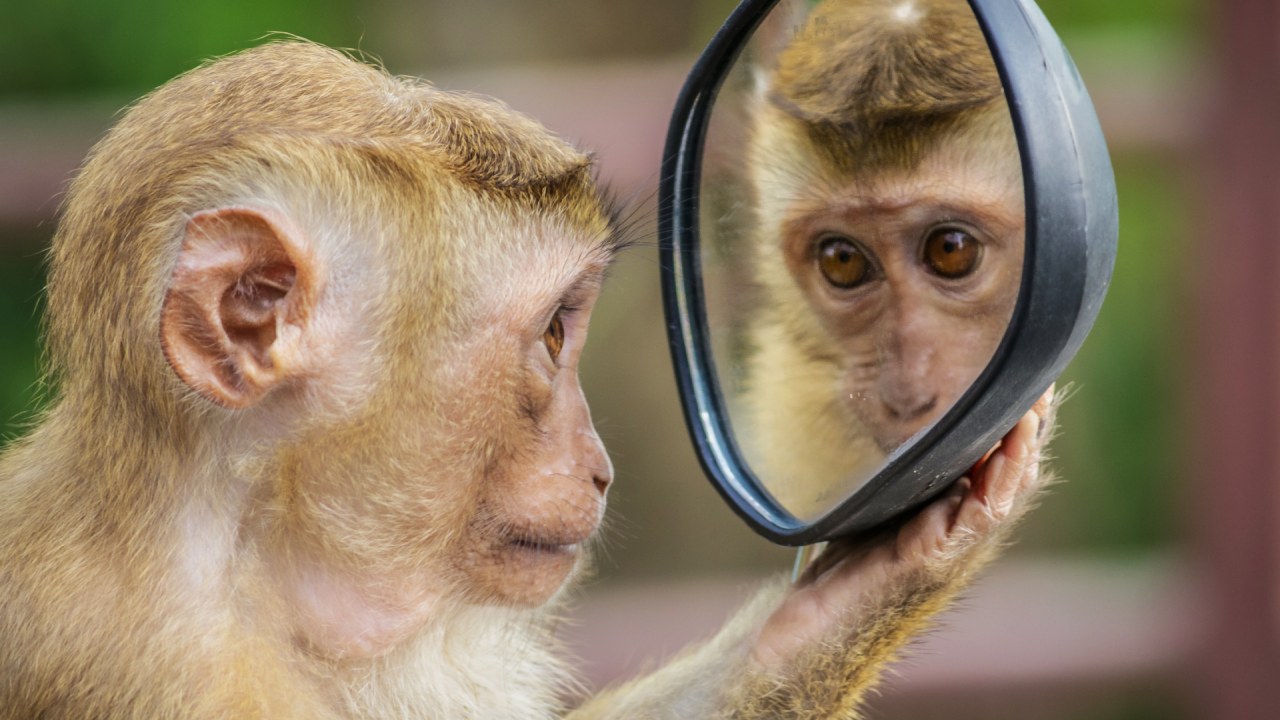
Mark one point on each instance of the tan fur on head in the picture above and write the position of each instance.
(845, 66)
(877, 79)
(259, 117)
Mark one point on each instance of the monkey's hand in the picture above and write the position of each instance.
(864, 598)
(814, 649)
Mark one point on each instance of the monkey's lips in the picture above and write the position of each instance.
(547, 545)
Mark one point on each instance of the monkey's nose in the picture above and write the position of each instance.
(602, 481)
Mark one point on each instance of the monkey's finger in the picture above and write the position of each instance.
(1044, 405)
(1046, 408)
(1021, 469)
(929, 531)
(1003, 478)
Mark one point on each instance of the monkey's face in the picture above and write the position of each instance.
(912, 277)
(542, 497)
(487, 472)
(414, 445)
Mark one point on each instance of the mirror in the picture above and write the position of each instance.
(877, 251)
(862, 227)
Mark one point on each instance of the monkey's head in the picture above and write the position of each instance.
(354, 304)
(890, 222)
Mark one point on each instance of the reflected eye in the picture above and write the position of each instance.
(553, 337)
(951, 253)
(843, 263)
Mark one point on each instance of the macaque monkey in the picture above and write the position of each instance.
(317, 447)
(887, 237)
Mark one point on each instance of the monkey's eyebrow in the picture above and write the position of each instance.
(588, 279)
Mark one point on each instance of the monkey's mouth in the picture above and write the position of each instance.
(890, 427)
(546, 545)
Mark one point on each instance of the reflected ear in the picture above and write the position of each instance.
(237, 305)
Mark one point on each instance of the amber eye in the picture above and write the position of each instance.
(951, 253)
(843, 263)
(553, 338)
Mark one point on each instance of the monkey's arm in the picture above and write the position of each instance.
(815, 649)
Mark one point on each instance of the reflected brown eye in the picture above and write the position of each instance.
(951, 253)
(553, 338)
(843, 263)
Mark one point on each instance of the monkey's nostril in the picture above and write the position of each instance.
(601, 482)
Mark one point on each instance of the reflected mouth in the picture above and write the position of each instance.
(900, 430)
(912, 413)
(888, 442)
(893, 426)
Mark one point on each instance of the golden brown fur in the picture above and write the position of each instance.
(877, 80)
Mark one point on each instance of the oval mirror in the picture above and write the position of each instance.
(886, 227)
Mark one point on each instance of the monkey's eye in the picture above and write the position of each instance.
(843, 263)
(951, 252)
(553, 337)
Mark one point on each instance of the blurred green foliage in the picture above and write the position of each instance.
(61, 47)
(1141, 16)
(1119, 448)
(21, 287)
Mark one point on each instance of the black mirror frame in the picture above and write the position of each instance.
(1071, 206)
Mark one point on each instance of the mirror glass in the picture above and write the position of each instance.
(862, 222)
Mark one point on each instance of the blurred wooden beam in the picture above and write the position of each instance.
(619, 111)
(1032, 631)
(1238, 337)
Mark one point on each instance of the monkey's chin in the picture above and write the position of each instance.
(529, 573)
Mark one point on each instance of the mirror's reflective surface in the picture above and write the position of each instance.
(862, 226)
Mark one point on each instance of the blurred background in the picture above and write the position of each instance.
(1146, 584)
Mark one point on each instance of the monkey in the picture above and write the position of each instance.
(316, 445)
(313, 332)
(887, 238)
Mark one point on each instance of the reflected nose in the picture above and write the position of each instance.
(910, 363)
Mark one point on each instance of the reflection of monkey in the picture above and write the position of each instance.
(319, 448)
(889, 237)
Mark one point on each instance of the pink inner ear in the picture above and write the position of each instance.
(230, 289)
(249, 308)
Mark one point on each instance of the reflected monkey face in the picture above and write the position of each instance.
(911, 276)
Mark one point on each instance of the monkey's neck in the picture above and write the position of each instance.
(471, 662)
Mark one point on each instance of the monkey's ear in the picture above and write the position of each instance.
(240, 294)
